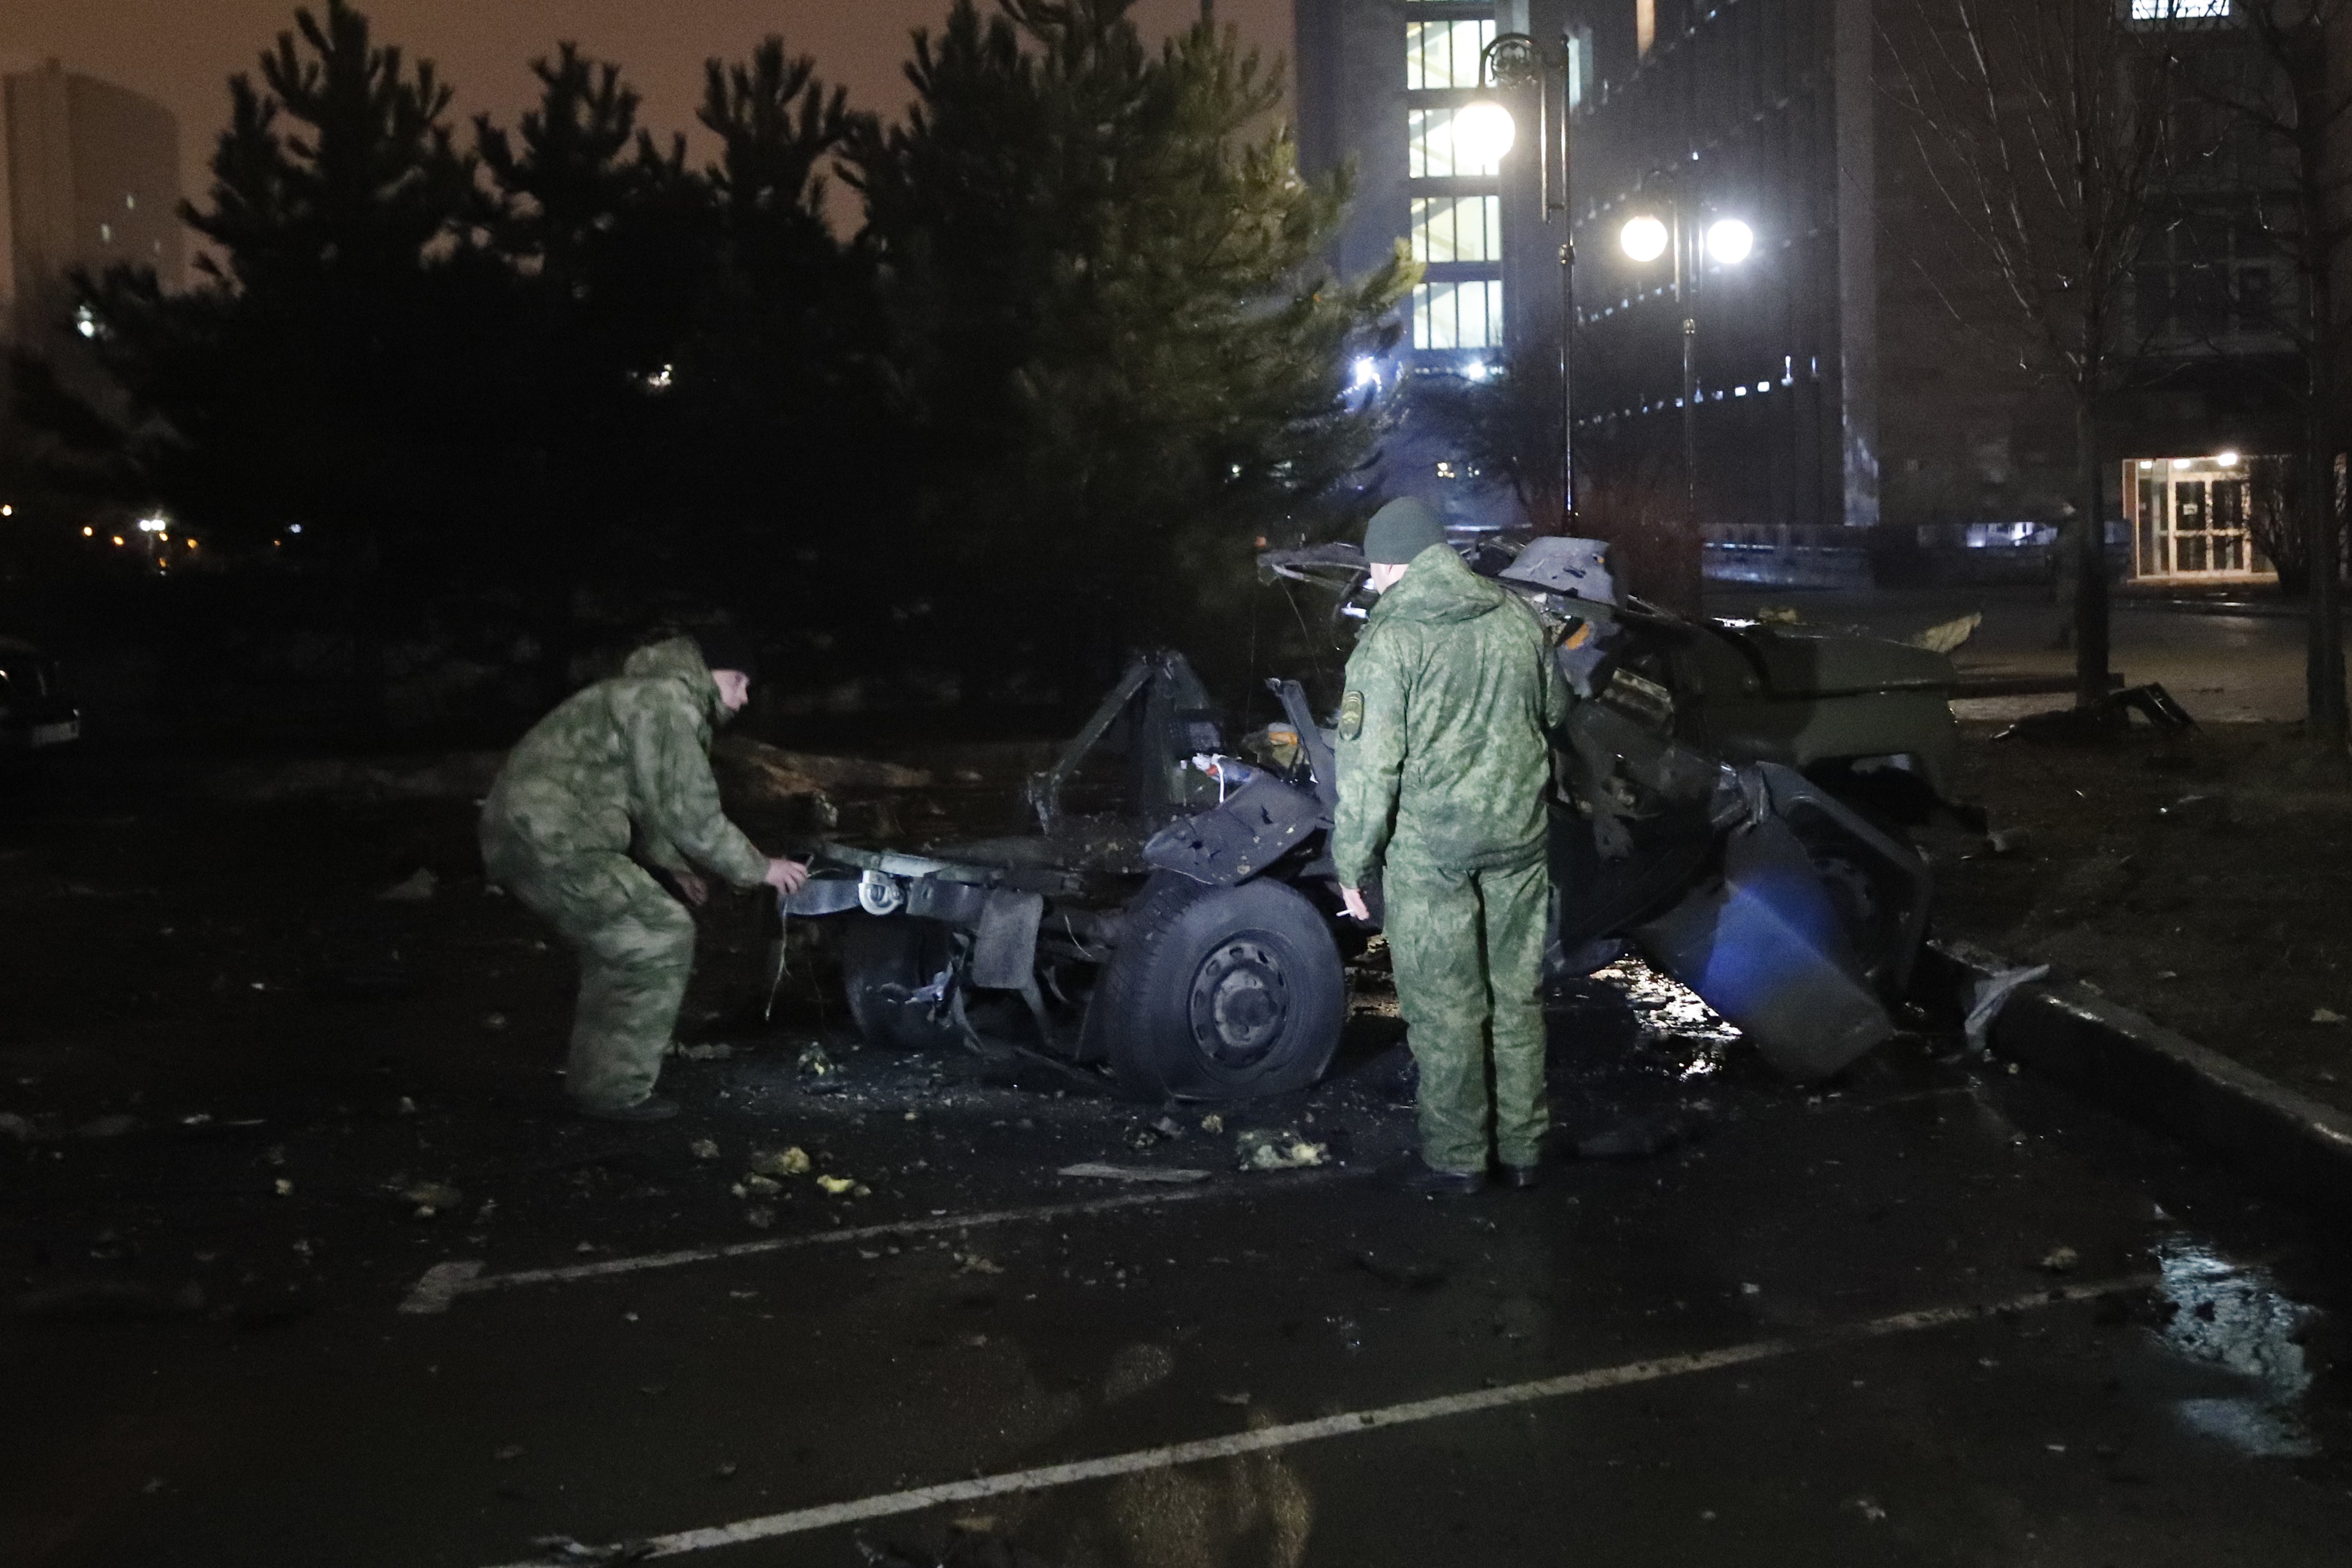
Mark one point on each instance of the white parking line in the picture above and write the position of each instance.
(445, 1282)
(800, 1521)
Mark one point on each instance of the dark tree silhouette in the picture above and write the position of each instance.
(1118, 353)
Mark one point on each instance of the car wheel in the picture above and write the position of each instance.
(1218, 994)
(885, 960)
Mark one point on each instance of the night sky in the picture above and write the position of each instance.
(180, 52)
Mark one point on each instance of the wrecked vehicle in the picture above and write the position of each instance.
(1730, 804)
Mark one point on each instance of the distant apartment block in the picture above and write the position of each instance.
(91, 178)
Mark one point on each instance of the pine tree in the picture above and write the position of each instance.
(318, 374)
(1120, 353)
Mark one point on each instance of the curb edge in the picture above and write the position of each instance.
(2159, 1078)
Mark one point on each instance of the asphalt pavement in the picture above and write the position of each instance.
(1939, 1314)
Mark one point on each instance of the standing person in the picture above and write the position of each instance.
(618, 775)
(1443, 769)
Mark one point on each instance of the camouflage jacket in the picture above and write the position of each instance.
(1442, 754)
(627, 762)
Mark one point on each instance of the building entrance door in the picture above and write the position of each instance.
(2189, 518)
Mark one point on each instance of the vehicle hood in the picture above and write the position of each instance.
(1829, 664)
(680, 659)
(1437, 590)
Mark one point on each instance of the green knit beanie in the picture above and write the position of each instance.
(1400, 531)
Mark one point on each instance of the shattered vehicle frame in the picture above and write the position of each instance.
(1730, 803)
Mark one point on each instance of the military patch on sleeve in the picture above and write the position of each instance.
(1352, 715)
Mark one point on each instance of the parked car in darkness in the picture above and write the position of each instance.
(34, 717)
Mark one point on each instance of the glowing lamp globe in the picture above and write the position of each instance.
(1644, 238)
(1728, 240)
(1482, 132)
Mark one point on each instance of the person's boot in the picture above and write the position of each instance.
(1519, 1178)
(1416, 1177)
(652, 1108)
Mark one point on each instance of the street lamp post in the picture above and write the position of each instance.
(1517, 62)
(1729, 241)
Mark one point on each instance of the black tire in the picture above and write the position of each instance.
(1218, 994)
(882, 960)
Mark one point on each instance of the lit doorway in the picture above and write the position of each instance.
(2189, 518)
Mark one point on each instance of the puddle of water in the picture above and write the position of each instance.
(2236, 1319)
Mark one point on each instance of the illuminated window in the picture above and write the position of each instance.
(2178, 10)
(1441, 55)
(1429, 153)
(1457, 228)
(1458, 315)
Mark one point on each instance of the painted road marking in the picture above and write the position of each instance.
(800, 1521)
(445, 1282)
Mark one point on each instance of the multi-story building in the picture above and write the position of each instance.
(1382, 85)
(1848, 383)
(89, 178)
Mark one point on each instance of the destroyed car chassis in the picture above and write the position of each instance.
(1727, 791)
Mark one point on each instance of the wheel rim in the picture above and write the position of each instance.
(1240, 1002)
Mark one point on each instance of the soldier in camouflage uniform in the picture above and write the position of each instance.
(617, 775)
(1444, 769)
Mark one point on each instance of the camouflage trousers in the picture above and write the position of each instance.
(635, 945)
(1467, 951)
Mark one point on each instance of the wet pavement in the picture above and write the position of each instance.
(1939, 1313)
(1771, 1341)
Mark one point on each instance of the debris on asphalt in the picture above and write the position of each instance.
(1101, 1172)
(1168, 1127)
(976, 1263)
(18, 1128)
(718, 1052)
(813, 1063)
(1239, 1398)
(836, 1185)
(414, 889)
(704, 1147)
(511, 1451)
(1947, 636)
(1991, 994)
(766, 1186)
(2008, 840)
(2326, 1016)
(1212, 1123)
(284, 1188)
(1261, 1150)
(759, 1217)
(430, 1195)
(2060, 1260)
(725, 1471)
(494, 1020)
(792, 1161)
